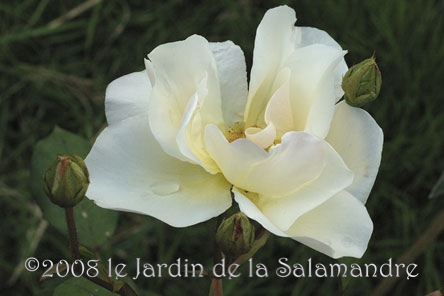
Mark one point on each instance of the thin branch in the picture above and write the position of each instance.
(432, 232)
(76, 11)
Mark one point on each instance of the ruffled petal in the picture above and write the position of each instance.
(184, 71)
(309, 36)
(278, 111)
(232, 74)
(275, 41)
(249, 208)
(235, 159)
(339, 227)
(316, 65)
(278, 115)
(189, 135)
(335, 176)
(356, 136)
(130, 172)
(285, 168)
(312, 87)
(261, 137)
(127, 96)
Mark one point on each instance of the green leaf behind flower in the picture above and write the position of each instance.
(80, 287)
(94, 224)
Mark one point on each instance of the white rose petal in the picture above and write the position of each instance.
(335, 176)
(186, 96)
(127, 96)
(232, 74)
(278, 111)
(339, 227)
(312, 87)
(356, 136)
(129, 171)
(247, 206)
(311, 36)
(275, 41)
(278, 172)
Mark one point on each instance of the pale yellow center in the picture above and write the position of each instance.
(235, 132)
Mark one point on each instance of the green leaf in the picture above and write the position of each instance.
(81, 287)
(94, 224)
(438, 189)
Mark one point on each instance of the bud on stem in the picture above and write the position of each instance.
(362, 83)
(235, 235)
(66, 180)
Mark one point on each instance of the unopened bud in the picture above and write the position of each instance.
(235, 235)
(66, 180)
(362, 83)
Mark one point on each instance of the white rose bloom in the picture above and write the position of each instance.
(188, 129)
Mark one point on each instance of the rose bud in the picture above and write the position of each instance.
(235, 235)
(362, 83)
(66, 180)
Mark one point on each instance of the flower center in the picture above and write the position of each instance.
(235, 132)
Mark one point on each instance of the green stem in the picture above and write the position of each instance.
(216, 283)
(125, 290)
(73, 242)
(216, 287)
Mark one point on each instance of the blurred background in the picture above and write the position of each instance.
(57, 57)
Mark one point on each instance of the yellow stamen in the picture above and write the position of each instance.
(235, 132)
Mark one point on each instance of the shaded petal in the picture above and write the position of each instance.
(249, 208)
(127, 96)
(183, 70)
(339, 227)
(335, 176)
(282, 170)
(316, 63)
(248, 154)
(275, 41)
(338, 73)
(232, 74)
(278, 111)
(129, 171)
(189, 135)
(356, 136)
(261, 137)
(278, 116)
(309, 36)
(312, 87)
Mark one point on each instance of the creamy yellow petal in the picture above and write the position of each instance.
(127, 96)
(275, 41)
(356, 136)
(184, 71)
(129, 171)
(334, 177)
(339, 227)
(312, 87)
(232, 75)
(282, 170)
